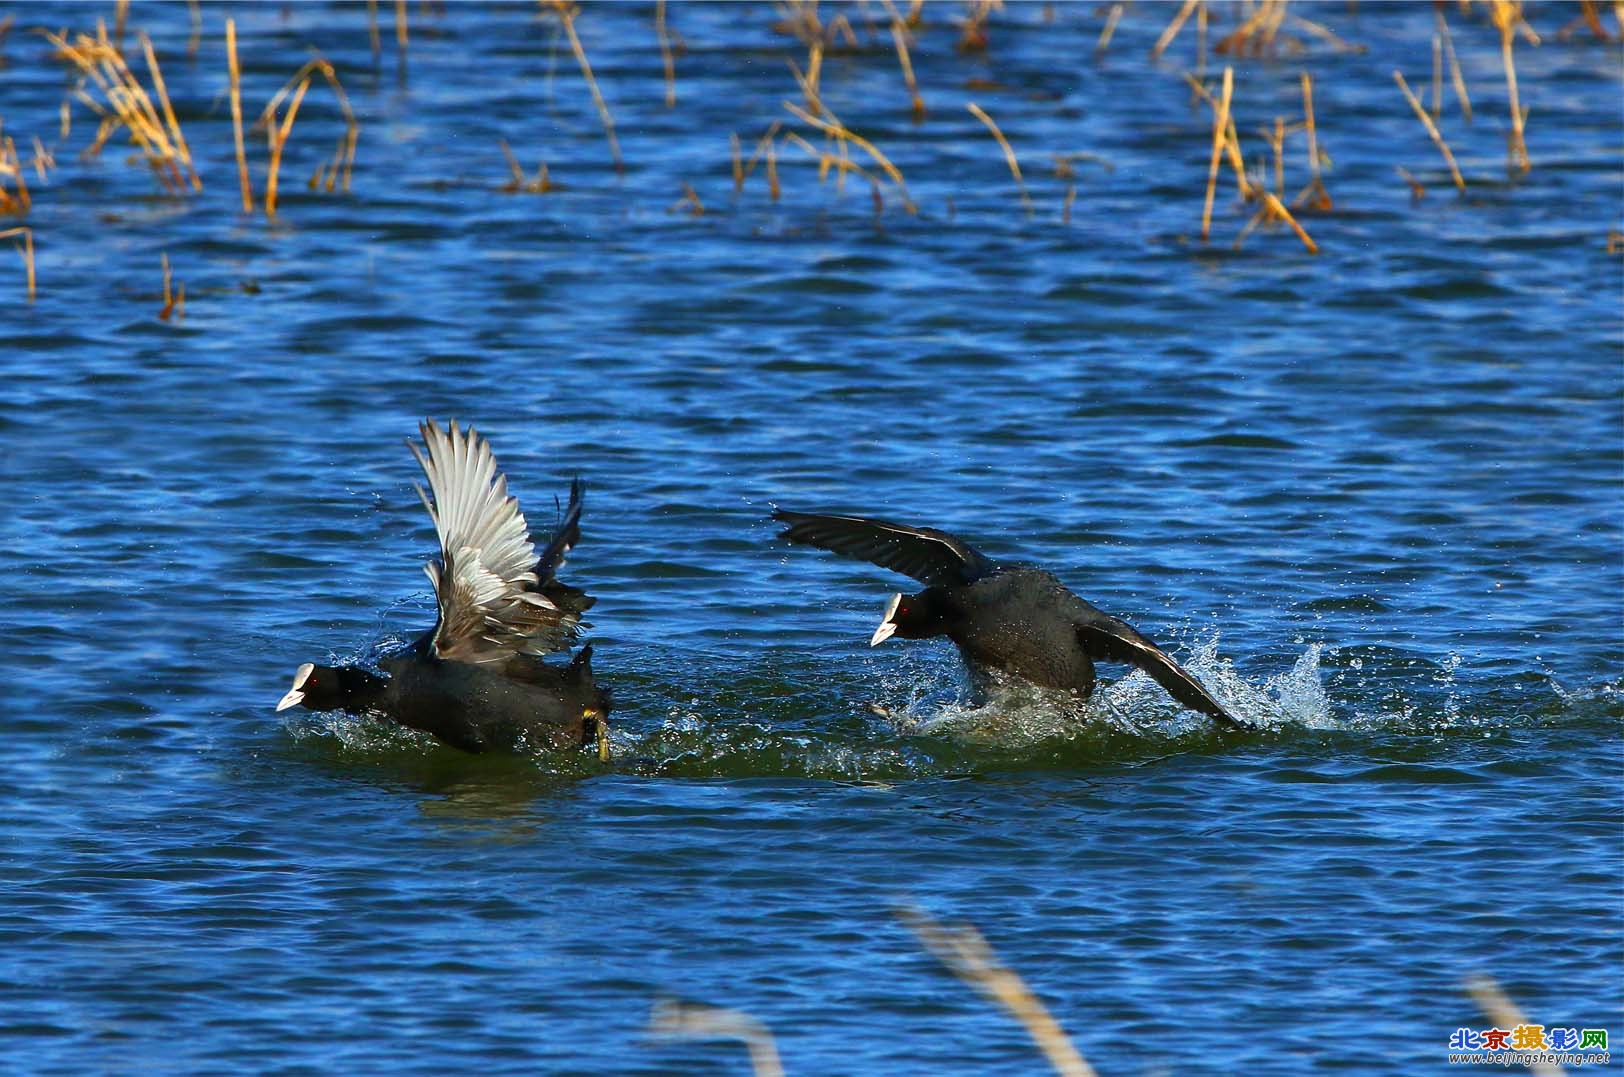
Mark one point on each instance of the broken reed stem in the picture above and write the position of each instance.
(899, 34)
(1279, 210)
(566, 15)
(667, 60)
(1111, 19)
(965, 952)
(1009, 154)
(235, 73)
(1173, 28)
(1507, 16)
(27, 252)
(738, 162)
(1455, 75)
(673, 1019)
(1432, 129)
(838, 130)
(1417, 191)
(1220, 138)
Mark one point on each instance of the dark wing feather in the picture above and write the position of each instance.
(1106, 638)
(932, 557)
(567, 534)
(572, 600)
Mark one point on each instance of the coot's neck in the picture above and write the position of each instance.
(359, 690)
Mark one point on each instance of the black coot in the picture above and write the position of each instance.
(1010, 619)
(476, 680)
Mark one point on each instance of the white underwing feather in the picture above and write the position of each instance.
(485, 577)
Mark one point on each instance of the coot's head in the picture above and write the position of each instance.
(911, 617)
(321, 688)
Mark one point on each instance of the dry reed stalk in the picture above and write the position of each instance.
(965, 952)
(1588, 18)
(690, 198)
(27, 252)
(1324, 35)
(194, 39)
(1499, 1008)
(759, 151)
(1009, 154)
(974, 35)
(828, 162)
(737, 155)
(1455, 76)
(401, 34)
(174, 302)
(672, 1019)
(373, 37)
(11, 166)
(121, 13)
(1065, 209)
(1256, 35)
(1172, 29)
(899, 34)
(1280, 212)
(276, 137)
(1417, 192)
(832, 126)
(1276, 138)
(1507, 17)
(235, 74)
(1111, 19)
(1314, 195)
(840, 26)
(1615, 241)
(772, 171)
(1220, 138)
(667, 60)
(5, 28)
(1201, 43)
(540, 185)
(169, 110)
(276, 132)
(1432, 129)
(566, 14)
(43, 159)
(809, 81)
(1437, 109)
(130, 106)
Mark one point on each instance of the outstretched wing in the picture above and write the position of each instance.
(1106, 638)
(492, 601)
(932, 557)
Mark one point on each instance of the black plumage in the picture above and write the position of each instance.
(476, 680)
(1007, 619)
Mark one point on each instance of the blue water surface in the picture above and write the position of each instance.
(1372, 496)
